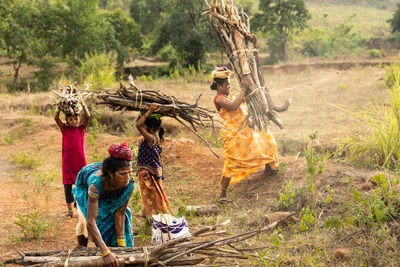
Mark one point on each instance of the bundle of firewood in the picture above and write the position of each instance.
(183, 251)
(232, 28)
(71, 99)
(192, 116)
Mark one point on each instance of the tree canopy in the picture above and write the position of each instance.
(280, 18)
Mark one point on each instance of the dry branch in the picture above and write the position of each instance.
(233, 30)
(192, 116)
(71, 97)
(177, 252)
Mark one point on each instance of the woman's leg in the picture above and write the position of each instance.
(224, 184)
(269, 171)
(82, 240)
(69, 198)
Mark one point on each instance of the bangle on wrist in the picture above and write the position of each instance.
(121, 241)
(105, 253)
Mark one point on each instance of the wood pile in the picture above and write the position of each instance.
(233, 30)
(183, 251)
(71, 99)
(191, 116)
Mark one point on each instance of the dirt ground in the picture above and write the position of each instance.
(193, 172)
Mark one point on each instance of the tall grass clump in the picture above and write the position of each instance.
(392, 74)
(97, 70)
(376, 144)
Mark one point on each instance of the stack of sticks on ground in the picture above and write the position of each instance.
(192, 116)
(232, 28)
(182, 251)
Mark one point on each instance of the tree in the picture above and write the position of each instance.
(179, 24)
(80, 28)
(19, 38)
(148, 13)
(123, 34)
(280, 18)
(395, 20)
(75, 28)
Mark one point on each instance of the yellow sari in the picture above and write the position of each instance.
(245, 150)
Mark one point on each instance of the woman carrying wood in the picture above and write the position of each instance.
(245, 150)
(102, 193)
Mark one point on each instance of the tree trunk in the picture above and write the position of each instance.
(16, 74)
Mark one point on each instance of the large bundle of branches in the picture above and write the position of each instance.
(177, 252)
(70, 102)
(232, 27)
(192, 116)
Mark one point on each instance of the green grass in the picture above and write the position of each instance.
(369, 21)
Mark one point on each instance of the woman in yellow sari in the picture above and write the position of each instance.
(245, 150)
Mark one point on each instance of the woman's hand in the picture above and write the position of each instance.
(111, 260)
(247, 81)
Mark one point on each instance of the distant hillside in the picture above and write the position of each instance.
(369, 21)
(380, 4)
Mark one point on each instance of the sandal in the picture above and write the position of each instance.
(224, 200)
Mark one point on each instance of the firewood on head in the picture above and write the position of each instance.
(232, 28)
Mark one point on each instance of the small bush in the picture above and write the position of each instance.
(97, 70)
(26, 161)
(342, 40)
(392, 74)
(166, 53)
(33, 226)
(374, 53)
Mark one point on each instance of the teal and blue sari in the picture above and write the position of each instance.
(108, 204)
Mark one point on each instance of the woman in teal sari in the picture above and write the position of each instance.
(102, 191)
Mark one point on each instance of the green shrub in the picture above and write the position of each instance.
(374, 53)
(33, 226)
(97, 70)
(342, 40)
(166, 53)
(382, 205)
(316, 42)
(392, 74)
(45, 75)
(26, 161)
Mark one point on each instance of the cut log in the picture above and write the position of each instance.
(172, 253)
(202, 210)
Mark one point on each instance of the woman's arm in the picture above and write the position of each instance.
(92, 212)
(141, 126)
(229, 104)
(233, 105)
(119, 219)
(57, 119)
